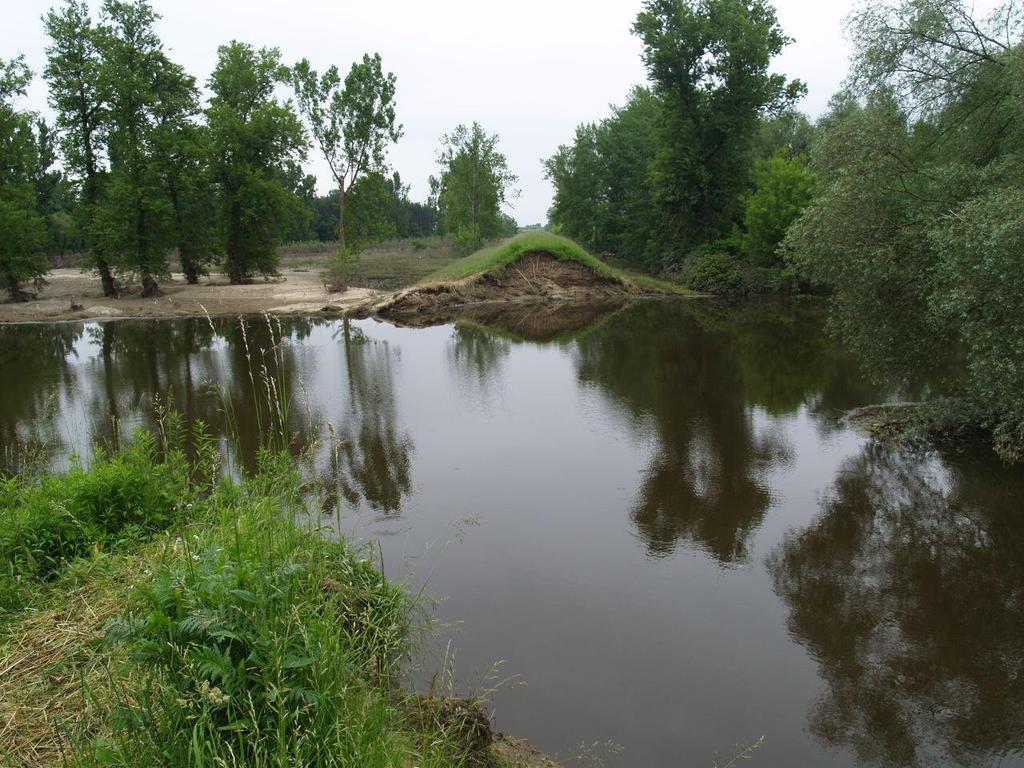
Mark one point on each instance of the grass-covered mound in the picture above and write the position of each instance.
(531, 267)
(496, 259)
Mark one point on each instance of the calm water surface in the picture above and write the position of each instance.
(654, 519)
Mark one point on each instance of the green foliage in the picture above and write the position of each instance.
(23, 241)
(338, 276)
(708, 62)
(716, 273)
(783, 188)
(48, 523)
(352, 122)
(916, 222)
(474, 183)
(75, 78)
(252, 138)
(602, 180)
(263, 645)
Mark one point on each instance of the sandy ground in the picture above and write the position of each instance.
(74, 295)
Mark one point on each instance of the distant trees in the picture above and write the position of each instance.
(352, 122)
(252, 136)
(22, 228)
(473, 185)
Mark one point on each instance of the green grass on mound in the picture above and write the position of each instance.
(496, 258)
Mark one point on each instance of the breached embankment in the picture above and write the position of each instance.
(528, 270)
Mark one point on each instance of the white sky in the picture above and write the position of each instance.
(530, 70)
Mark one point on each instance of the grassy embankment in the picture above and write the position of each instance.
(155, 612)
(496, 258)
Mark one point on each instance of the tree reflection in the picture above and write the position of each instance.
(909, 592)
(373, 459)
(704, 483)
(35, 375)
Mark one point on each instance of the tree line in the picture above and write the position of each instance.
(136, 167)
(905, 200)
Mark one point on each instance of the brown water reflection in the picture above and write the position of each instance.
(909, 592)
(651, 512)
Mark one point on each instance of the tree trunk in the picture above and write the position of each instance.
(150, 287)
(341, 215)
(106, 276)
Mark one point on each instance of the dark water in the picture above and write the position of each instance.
(654, 519)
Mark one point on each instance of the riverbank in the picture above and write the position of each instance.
(74, 295)
(155, 612)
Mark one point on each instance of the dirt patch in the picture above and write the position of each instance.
(74, 295)
(536, 276)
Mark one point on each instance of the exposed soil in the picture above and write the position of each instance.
(73, 295)
(536, 276)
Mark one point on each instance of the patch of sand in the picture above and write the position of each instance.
(73, 295)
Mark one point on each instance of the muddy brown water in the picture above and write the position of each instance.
(653, 518)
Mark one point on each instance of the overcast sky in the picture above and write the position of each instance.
(530, 70)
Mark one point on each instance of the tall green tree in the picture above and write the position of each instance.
(602, 180)
(73, 74)
(352, 122)
(708, 62)
(474, 183)
(145, 91)
(253, 137)
(23, 238)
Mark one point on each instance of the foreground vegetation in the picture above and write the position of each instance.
(153, 612)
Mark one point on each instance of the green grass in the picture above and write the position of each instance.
(239, 636)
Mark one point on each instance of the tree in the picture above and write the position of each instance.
(602, 180)
(23, 244)
(252, 138)
(145, 93)
(73, 75)
(352, 122)
(916, 222)
(475, 182)
(708, 63)
(783, 188)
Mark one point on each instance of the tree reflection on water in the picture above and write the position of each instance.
(908, 590)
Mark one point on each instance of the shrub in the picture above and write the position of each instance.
(716, 273)
(468, 239)
(50, 522)
(338, 276)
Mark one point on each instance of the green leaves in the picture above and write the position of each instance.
(352, 122)
(474, 183)
(253, 138)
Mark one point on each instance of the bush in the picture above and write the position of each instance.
(338, 276)
(468, 239)
(267, 644)
(716, 273)
(44, 525)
